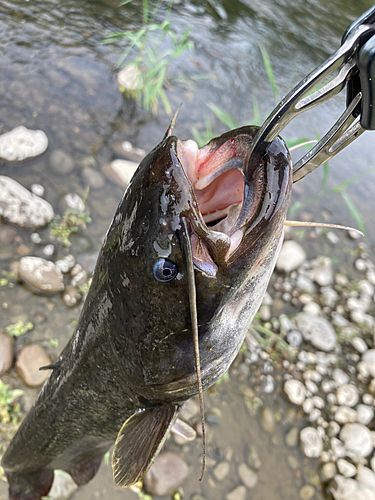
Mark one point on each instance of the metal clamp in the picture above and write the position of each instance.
(356, 58)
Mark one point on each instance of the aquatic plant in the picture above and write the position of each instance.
(8, 278)
(146, 57)
(9, 410)
(19, 328)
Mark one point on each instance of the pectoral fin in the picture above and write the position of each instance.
(139, 441)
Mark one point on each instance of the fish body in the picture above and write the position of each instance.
(130, 364)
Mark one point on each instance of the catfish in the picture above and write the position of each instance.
(194, 240)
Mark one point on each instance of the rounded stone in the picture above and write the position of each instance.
(31, 358)
(120, 171)
(365, 414)
(366, 477)
(221, 470)
(345, 415)
(291, 256)
(41, 275)
(248, 477)
(60, 162)
(311, 442)
(93, 178)
(291, 438)
(368, 357)
(346, 468)
(347, 395)
(267, 419)
(239, 493)
(6, 352)
(327, 471)
(306, 492)
(357, 440)
(295, 390)
(71, 296)
(21, 143)
(166, 474)
(343, 488)
(316, 330)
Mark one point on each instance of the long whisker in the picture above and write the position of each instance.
(194, 325)
(297, 223)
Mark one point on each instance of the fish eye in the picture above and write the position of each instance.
(164, 270)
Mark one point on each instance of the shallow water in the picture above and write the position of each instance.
(58, 76)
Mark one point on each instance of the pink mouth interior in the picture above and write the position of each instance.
(218, 190)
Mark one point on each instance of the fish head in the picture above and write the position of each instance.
(234, 207)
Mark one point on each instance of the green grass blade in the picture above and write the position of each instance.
(224, 117)
(354, 212)
(325, 174)
(270, 73)
(256, 113)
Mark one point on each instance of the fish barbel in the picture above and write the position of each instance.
(130, 365)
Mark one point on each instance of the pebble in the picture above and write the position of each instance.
(63, 486)
(66, 263)
(317, 330)
(311, 442)
(357, 440)
(93, 178)
(311, 386)
(294, 338)
(366, 477)
(22, 208)
(71, 296)
(189, 410)
(30, 359)
(41, 275)
(346, 468)
(343, 488)
(340, 377)
(368, 357)
(359, 344)
(267, 419)
(337, 448)
(365, 414)
(166, 474)
(184, 431)
(128, 78)
(128, 151)
(21, 143)
(345, 415)
(308, 405)
(60, 162)
(306, 492)
(120, 171)
(295, 390)
(312, 308)
(333, 428)
(291, 438)
(347, 395)
(221, 470)
(72, 201)
(247, 476)
(322, 271)
(238, 493)
(291, 256)
(6, 352)
(254, 459)
(327, 471)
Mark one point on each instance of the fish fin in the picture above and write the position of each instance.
(29, 485)
(173, 123)
(139, 441)
(52, 366)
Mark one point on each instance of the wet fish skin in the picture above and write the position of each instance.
(131, 358)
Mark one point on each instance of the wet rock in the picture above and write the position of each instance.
(311, 442)
(72, 201)
(7, 234)
(166, 474)
(349, 489)
(291, 438)
(22, 208)
(248, 477)
(347, 395)
(345, 415)
(31, 358)
(327, 471)
(357, 440)
(294, 338)
(365, 414)
(317, 330)
(120, 171)
(254, 459)
(6, 352)
(21, 143)
(128, 78)
(221, 470)
(37, 189)
(291, 256)
(322, 271)
(71, 297)
(182, 432)
(66, 263)
(295, 390)
(63, 486)
(238, 493)
(368, 357)
(359, 344)
(340, 377)
(267, 419)
(345, 468)
(60, 162)
(306, 492)
(41, 275)
(128, 151)
(366, 477)
(312, 308)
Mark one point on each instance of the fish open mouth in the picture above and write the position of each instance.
(216, 174)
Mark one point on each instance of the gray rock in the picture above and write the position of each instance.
(291, 256)
(254, 459)
(63, 486)
(248, 477)
(345, 415)
(295, 390)
(365, 414)
(22, 208)
(72, 201)
(321, 271)
(166, 474)
(317, 330)
(366, 477)
(21, 143)
(238, 493)
(221, 470)
(66, 263)
(349, 489)
(291, 437)
(71, 296)
(337, 449)
(327, 471)
(306, 492)
(294, 338)
(346, 468)
(340, 377)
(182, 432)
(189, 410)
(312, 308)
(93, 178)
(359, 344)
(369, 358)
(357, 440)
(31, 358)
(128, 78)
(267, 419)
(6, 352)
(41, 275)
(311, 442)
(60, 162)
(347, 395)
(120, 171)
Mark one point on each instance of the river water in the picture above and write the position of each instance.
(58, 76)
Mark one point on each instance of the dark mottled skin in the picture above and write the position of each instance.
(133, 347)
